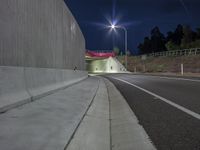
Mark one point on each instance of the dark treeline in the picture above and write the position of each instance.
(182, 37)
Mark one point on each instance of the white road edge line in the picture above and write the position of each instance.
(184, 79)
(189, 112)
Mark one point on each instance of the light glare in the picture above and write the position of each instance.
(113, 26)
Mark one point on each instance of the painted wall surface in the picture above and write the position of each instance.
(41, 34)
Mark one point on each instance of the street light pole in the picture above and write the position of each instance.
(126, 42)
(126, 46)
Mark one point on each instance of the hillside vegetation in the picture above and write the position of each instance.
(163, 64)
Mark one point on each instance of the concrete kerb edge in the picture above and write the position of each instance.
(74, 132)
(37, 97)
(14, 105)
(135, 117)
(109, 113)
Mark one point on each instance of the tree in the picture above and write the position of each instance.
(178, 35)
(146, 46)
(195, 43)
(154, 44)
(141, 48)
(170, 36)
(198, 33)
(188, 37)
(171, 46)
(116, 50)
(174, 38)
(182, 37)
(157, 40)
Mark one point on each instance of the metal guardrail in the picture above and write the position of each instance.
(185, 52)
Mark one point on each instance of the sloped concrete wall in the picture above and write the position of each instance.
(107, 65)
(40, 33)
(20, 85)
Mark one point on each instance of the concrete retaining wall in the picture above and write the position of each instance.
(40, 33)
(41, 45)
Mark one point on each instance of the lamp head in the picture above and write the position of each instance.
(113, 26)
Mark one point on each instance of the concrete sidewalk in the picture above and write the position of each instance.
(110, 124)
(94, 131)
(90, 115)
(49, 122)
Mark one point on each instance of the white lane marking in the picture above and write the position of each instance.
(189, 112)
(184, 79)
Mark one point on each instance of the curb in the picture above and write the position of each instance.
(76, 128)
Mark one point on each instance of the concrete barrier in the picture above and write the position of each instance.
(19, 85)
(42, 81)
(12, 88)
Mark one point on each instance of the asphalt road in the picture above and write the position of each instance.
(167, 107)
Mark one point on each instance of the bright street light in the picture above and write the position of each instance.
(113, 26)
(126, 41)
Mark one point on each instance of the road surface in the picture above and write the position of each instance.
(167, 107)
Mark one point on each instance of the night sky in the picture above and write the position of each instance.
(138, 16)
